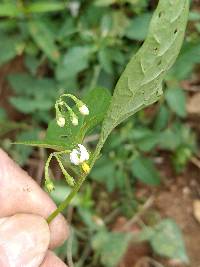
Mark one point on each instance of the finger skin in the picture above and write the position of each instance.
(19, 193)
(51, 260)
(24, 240)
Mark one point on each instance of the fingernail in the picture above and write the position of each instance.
(24, 240)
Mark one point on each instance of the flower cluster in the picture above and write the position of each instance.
(60, 107)
(78, 156)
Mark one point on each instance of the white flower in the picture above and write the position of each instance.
(74, 157)
(84, 153)
(74, 7)
(84, 110)
(78, 156)
(75, 121)
(61, 121)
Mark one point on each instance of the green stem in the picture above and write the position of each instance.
(65, 203)
(77, 186)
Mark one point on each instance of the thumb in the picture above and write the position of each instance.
(24, 240)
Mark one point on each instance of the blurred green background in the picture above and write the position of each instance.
(50, 47)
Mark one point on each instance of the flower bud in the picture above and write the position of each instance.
(49, 185)
(61, 121)
(84, 110)
(75, 121)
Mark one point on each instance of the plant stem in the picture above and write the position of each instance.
(77, 186)
(65, 203)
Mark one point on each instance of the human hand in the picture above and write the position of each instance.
(26, 239)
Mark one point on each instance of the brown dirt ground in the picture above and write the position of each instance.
(175, 200)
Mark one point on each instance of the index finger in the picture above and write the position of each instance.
(19, 193)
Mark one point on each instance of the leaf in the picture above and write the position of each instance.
(44, 39)
(11, 10)
(74, 61)
(32, 94)
(167, 241)
(141, 82)
(110, 246)
(21, 153)
(69, 136)
(176, 100)
(179, 134)
(190, 55)
(144, 138)
(14, 10)
(194, 16)
(27, 85)
(162, 118)
(145, 171)
(98, 101)
(27, 105)
(8, 49)
(53, 144)
(104, 2)
(105, 60)
(104, 172)
(43, 6)
(138, 27)
(7, 126)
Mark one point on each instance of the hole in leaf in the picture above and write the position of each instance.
(175, 31)
(155, 49)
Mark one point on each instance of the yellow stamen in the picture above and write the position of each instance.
(85, 167)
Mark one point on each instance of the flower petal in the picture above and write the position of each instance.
(74, 158)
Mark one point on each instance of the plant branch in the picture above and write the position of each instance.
(77, 186)
(68, 199)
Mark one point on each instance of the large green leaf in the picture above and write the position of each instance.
(167, 241)
(27, 85)
(32, 94)
(98, 101)
(75, 60)
(110, 246)
(27, 105)
(9, 9)
(45, 6)
(15, 10)
(176, 99)
(9, 49)
(43, 37)
(141, 82)
(190, 55)
(145, 171)
(138, 27)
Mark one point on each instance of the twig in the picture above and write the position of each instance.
(195, 161)
(111, 216)
(84, 256)
(137, 216)
(149, 260)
